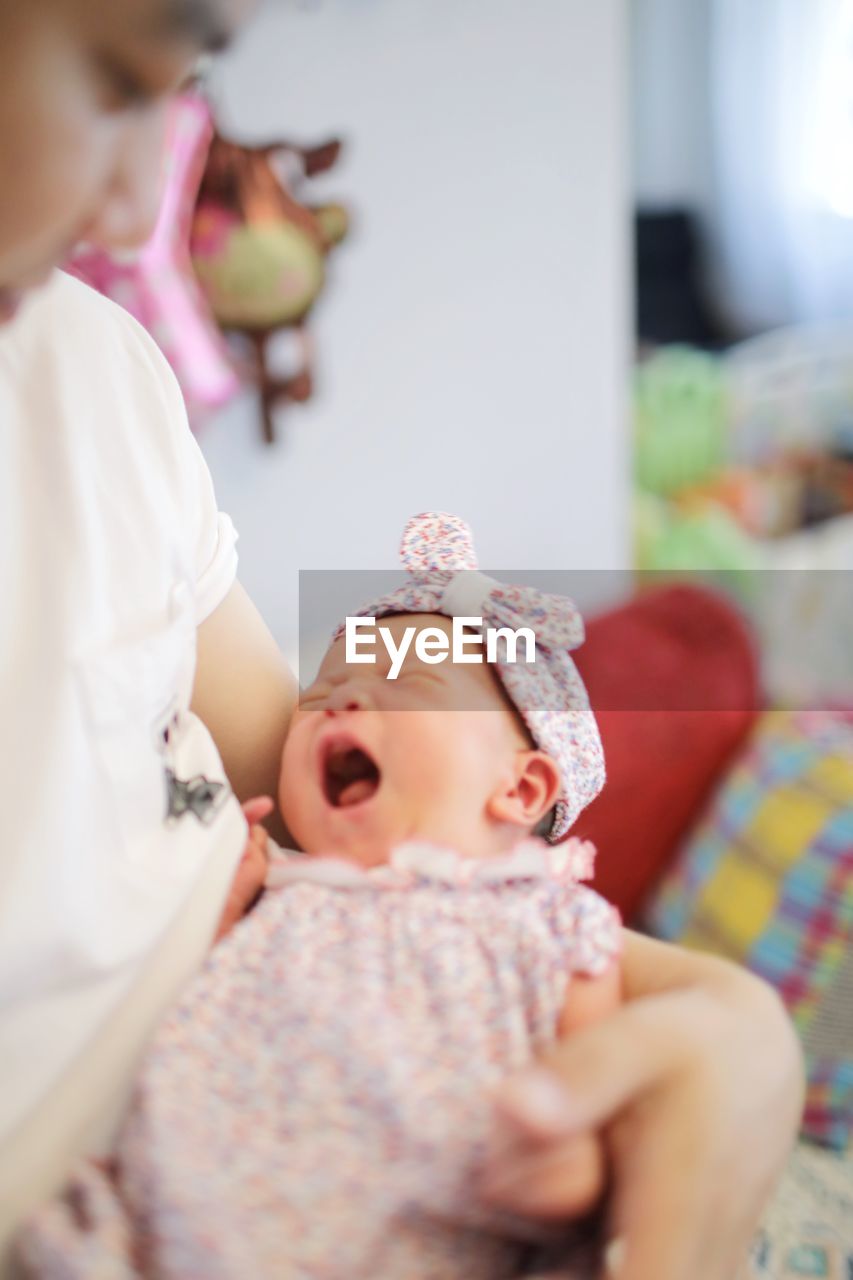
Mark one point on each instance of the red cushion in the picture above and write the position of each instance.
(672, 677)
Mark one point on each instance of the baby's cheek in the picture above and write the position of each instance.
(428, 746)
(293, 788)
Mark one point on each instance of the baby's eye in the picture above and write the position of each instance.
(423, 674)
(313, 698)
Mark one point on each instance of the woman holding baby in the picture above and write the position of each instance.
(135, 667)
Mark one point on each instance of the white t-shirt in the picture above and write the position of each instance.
(118, 831)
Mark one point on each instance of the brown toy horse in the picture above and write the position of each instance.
(259, 252)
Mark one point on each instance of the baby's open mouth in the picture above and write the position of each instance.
(350, 776)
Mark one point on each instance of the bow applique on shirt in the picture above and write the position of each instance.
(199, 795)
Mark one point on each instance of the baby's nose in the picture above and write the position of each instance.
(349, 696)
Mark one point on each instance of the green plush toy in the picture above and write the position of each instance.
(680, 416)
(685, 543)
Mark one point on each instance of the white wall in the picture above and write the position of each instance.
(670, 102)
(474, 339)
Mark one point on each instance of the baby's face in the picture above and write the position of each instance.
(370, 762)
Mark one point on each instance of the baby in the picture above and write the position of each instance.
(318, 1103)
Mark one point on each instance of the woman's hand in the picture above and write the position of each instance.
(695, 1086)
(252, 869)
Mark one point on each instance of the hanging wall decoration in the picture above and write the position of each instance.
(157, 284)
(259, 251)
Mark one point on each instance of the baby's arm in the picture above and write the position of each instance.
(84, 1234)
(590, 999)
(578, 1163)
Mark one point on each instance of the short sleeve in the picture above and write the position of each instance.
(216, 551)
(589, 930)
(211, 536)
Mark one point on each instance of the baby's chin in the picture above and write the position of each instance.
(360, 852)
(375, 849)
(363, 842)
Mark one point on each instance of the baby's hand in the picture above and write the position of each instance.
(85, 1233)
(251, 873)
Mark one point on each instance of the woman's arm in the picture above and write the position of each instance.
(245, 693)
(696, 1085)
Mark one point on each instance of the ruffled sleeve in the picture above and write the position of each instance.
(588, 929)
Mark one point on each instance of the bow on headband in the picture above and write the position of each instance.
(438, 550)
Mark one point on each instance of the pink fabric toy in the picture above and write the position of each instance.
(438, 551)
(157, 284)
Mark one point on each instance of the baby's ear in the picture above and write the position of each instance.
(529, 794)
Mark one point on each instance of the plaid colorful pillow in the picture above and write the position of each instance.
(767, 880)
